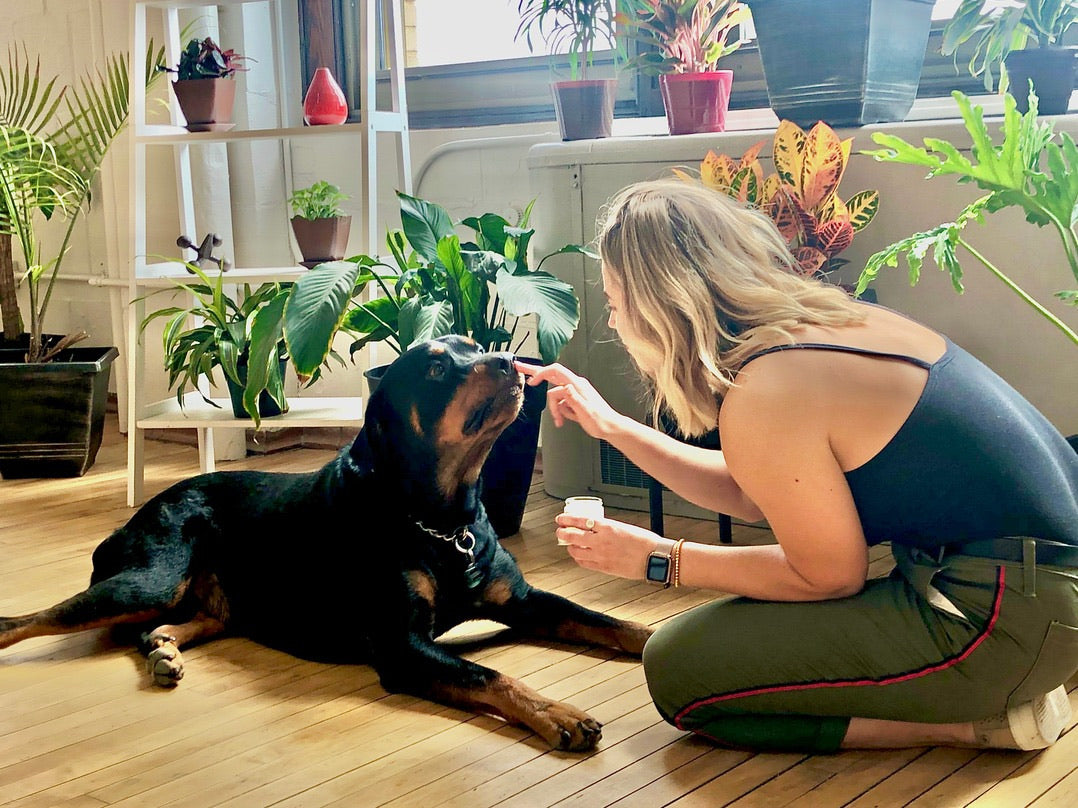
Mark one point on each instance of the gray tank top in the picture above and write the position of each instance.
(974, 460)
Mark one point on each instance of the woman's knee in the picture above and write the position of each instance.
(666, 662)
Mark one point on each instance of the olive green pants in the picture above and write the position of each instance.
(937, 642)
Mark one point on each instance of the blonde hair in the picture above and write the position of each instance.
(706, 281)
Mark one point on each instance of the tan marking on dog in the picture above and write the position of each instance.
(417, 425)
(562, 725)
(422, 585)
(461, 456)
(498, 592)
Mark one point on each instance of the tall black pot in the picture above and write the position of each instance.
(52, 415)
(844, 62)
(1051, 70)
(507, 473)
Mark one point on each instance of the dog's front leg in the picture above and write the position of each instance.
(544, 614)
(423, 669)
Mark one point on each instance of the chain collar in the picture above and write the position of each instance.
(463, 540)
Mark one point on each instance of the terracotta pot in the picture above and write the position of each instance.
(321, 240)
(585, 108)
(324, 103)
(206, 103)
(696, 102)
(1051, 70)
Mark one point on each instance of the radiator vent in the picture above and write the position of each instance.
(617, 469)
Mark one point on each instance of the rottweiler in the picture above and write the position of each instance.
(367, 560)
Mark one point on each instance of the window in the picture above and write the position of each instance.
(466, 69)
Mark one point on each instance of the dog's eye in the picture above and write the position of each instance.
(436, 370)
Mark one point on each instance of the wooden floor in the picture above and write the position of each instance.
(80, 724)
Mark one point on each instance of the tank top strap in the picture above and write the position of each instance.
(825, 346)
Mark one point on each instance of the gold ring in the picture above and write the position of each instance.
(590, 524)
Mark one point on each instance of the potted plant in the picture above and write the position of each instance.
(320, 227)
(1006, 35)
(243, 336)
(437, 285)
(53, 139)
(1031, 168)
(584, 104)
(683, 41)
(205, 85)
(846, 62)
(801, 197)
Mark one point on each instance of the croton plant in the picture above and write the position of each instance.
(801, 197)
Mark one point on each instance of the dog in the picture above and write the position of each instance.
(366, 560)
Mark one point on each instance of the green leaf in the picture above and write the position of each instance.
(267, 331)
(551, 299)
(425, 224)
(314, 312)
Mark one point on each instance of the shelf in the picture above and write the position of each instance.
(164, 135)
(303, 412)
(147, 272)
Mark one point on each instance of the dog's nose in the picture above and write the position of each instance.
(501, 364)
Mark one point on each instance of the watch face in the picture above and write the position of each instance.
(658, 568)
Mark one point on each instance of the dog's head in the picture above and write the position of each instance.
(439, 407)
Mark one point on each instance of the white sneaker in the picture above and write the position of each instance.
(1031, 725)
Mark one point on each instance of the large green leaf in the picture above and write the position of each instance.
(553, 300)
(263, 369)
(425, 225)
(315, 310)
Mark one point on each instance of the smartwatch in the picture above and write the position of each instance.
(658, 569)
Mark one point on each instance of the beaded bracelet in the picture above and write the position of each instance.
(675, 562)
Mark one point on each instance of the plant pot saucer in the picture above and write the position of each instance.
(209, 127)
(313, 264)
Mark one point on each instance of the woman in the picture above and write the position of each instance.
(843, 425)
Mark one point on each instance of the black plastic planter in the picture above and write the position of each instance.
(507, 473)
(52, 415)
(844, 62)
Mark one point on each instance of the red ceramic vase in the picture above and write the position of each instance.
(325, 102)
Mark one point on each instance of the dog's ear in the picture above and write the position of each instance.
(370, 442)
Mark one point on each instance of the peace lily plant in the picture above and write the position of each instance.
(436, 285)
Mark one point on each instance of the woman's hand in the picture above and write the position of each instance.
(613, 547)
(572, 397)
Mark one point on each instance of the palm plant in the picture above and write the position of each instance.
(577, 27)
(53, 140)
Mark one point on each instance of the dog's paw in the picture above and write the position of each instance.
(571, 730)
(165, 664)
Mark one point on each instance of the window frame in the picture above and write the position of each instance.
(515, 91)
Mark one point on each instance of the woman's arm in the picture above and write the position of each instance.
(698, 475)
(776, 430)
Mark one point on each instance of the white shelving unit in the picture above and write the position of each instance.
(144, 275)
